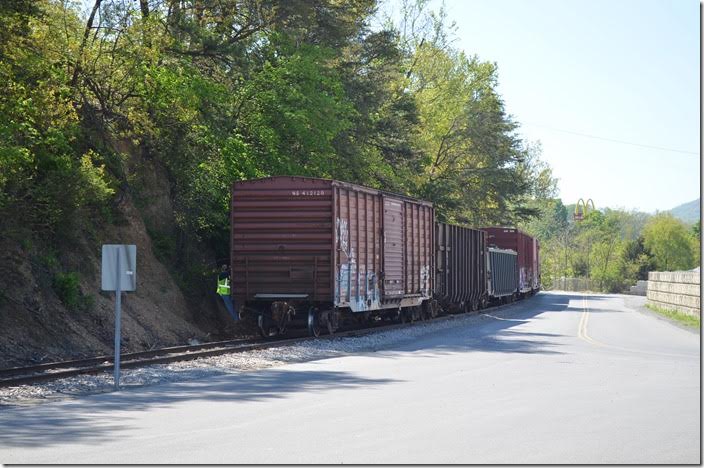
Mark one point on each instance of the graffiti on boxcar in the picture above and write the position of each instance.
(373, 288)
(425, 280)
(343, 275)
(357, 288)
(343, 236)
(368, 297)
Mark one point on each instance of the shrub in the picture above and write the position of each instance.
(67, 288)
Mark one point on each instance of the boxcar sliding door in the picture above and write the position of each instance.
(393, 248)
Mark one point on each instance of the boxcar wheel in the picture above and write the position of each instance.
(265, 328)
(313, 323)
(425, 312)
(434, 309)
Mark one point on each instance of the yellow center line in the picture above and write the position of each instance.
(584, 335)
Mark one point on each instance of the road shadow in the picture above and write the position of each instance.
(495, 331)
(103, 417)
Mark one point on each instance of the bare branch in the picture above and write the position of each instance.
(86, 34)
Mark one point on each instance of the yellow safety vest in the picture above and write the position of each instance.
(224, 287)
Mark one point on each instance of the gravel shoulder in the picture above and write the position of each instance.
(637, 303)
(75, 387)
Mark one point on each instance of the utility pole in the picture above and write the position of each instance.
(581, 210)
(565, 235)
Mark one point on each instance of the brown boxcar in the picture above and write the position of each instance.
(528, 250)
(324, 245)
(461, 268)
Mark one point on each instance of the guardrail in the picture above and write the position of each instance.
(574, 284)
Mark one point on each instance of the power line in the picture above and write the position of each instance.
(612, 139)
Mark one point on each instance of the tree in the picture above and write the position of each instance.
(606, 247)
(200, 93)
(669, 241)
(472, 166)
(696, 242)
(638, 259)
(49, 177)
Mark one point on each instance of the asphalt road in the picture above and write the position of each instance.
(563, 378)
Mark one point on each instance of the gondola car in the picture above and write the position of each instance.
(528, 250)
(503, 274)
(461, 279)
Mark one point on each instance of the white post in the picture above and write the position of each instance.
(118, 297)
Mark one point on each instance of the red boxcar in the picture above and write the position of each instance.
(528, 249)
(317, 247)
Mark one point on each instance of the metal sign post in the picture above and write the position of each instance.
(119, 273)
(118, 309)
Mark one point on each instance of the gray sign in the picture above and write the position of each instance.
(127, 267)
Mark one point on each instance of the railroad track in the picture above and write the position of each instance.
(55, 370)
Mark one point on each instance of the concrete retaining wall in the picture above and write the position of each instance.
(675, 290)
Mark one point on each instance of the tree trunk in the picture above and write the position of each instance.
(86, 33)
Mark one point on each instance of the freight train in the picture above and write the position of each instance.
(317, 253)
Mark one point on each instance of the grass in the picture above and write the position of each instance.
(693, 321)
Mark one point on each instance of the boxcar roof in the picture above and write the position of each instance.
(507, 227)
(338, 183)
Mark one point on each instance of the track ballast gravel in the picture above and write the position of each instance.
(233, 363)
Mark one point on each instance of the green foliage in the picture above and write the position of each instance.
(48, 178)
(163, 245)
(551, 222)
(693, 321)
(66, 286)
(293, 109)
(472, 164)
(613, 248)
(49, 260)
(214, 92)
(638, 259)
(696, 242)
(670, 242)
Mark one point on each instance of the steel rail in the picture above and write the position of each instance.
(127, 356)
(99, 364)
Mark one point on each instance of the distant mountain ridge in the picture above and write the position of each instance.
(687, 212)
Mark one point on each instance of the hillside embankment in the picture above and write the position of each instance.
(51, 306)
(126, 122)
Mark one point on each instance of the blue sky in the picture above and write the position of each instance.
(617, 69)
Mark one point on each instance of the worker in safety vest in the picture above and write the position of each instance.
(224, 290)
